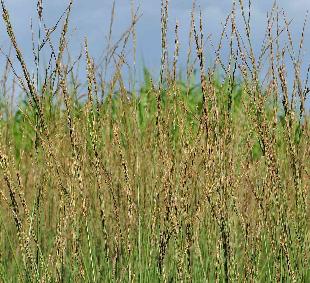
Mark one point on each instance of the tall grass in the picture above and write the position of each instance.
(174, 182)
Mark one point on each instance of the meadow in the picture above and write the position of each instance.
(202, 178)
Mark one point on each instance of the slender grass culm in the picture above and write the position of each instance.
(202, 178)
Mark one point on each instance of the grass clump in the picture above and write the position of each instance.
(179, 181)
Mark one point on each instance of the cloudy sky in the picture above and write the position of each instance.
(91, 18)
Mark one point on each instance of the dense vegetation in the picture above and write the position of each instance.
(177, 181)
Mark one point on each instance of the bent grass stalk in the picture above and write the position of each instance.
(171, 181)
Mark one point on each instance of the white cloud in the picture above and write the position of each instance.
(91, 19)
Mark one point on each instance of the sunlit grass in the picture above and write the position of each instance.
(176, 181)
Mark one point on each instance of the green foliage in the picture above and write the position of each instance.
(179, 181)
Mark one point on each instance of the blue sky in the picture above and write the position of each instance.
(91, 18)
